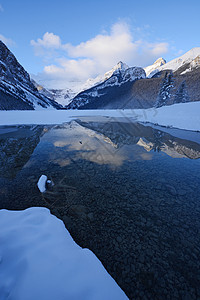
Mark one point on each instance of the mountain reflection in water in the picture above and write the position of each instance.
(98, 142)
(128, 192)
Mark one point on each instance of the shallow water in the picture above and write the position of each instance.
(128, 192)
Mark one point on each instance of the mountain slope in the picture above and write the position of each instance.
(168, 83)
(91, 82)
(99, 95)
(181, 65)
(16, 89)
(65, 96)
(61, 96)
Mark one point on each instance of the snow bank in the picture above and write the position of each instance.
(48, 117)
(182, 115)
(40, 260)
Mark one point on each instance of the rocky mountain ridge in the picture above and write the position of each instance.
(16, 89)
(65, 96)
(158, 63)
(119, 77)
(166, 84)
(122, 87)
(183, 64)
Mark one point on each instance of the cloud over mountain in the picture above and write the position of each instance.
(95, 56)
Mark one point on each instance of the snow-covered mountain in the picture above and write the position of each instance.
(61, 96)
(166, 84)
(117, 77)
(158, 63)
(101, 78)
(16, 89)
(93, 86)
(65, 96)
(183, 64)
(118, 74)
(121, 87)
(118, 88)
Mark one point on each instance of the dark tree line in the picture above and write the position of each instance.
(166, 92)
(181, 95)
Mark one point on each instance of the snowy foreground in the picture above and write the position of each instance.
(183, 116)
(40, 260)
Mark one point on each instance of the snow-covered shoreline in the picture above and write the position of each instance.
(182, 116)
(40, 260)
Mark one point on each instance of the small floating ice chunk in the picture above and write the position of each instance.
(42, 183)
(50, 182)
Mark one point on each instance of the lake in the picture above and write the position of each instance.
(130, 192)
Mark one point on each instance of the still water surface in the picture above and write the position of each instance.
(128, 192)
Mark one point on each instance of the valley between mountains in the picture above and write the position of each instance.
(122, 87)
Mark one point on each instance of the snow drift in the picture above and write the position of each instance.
(40, 260)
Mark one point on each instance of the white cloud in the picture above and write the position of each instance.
(80, 69)
(1, 8)
(49, 40)
(106, 49)
(7, 41)
(97, 55)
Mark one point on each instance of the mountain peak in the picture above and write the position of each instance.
(185, 63)
(121, 66)
(16, 89)
(160, 61)
(11, 65)
(195, 49)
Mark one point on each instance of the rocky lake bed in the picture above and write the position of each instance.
(128, 192)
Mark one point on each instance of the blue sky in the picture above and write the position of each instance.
(84, 38)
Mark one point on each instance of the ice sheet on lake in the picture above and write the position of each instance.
(182, 115)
